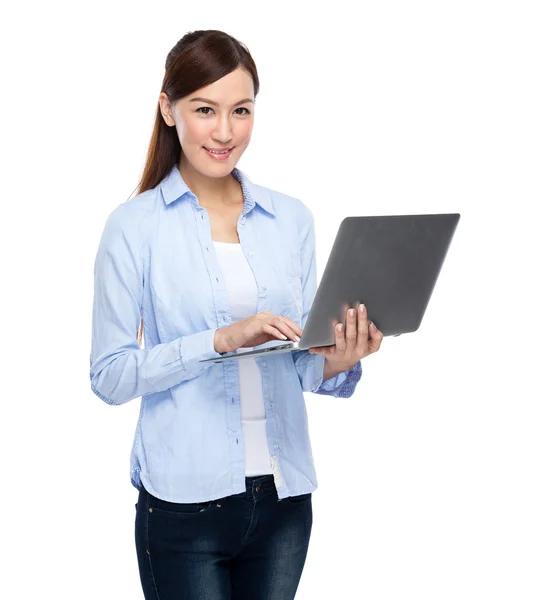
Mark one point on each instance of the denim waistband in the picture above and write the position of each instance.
(260, 485)
(256, 486)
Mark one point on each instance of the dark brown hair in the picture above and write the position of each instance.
(198, 59)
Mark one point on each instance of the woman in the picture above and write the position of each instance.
(203, 262)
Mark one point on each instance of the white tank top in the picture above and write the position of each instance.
(242, 292)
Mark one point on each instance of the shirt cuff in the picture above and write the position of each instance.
(342, 385)
(196, 347)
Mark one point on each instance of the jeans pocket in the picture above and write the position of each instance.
(301, 499)
(177, 509)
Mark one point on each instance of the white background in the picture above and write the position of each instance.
(438, 478)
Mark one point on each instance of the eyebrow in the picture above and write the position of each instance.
(216, 104)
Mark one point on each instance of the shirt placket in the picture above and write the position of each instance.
(261, 273)
(230, 368)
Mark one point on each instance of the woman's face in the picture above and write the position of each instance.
(218, 116)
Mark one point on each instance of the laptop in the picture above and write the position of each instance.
(388, 263)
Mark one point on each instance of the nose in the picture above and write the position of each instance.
(223, 132)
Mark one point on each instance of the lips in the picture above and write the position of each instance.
(218, 149)
(219, 156)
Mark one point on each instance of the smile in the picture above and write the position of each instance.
(219, 154)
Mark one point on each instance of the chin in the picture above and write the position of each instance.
(214, 170)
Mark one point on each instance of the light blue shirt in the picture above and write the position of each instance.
(156, 259)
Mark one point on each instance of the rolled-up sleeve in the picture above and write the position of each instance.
(310, 367)
(119, 369)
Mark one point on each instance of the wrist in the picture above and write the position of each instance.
(220, 341)
(333, 369)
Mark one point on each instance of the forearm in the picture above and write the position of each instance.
(118, 374)
(332, 370)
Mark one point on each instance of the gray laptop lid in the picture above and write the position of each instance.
(389, 263)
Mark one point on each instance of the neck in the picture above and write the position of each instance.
(210, 191)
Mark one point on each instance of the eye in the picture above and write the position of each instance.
(204, 108)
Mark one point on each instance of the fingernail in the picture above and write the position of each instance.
(352, 312)
(297, 338)
(340, 327)
(361, 308)
(372, 326)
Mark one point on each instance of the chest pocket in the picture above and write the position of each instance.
(289, 278)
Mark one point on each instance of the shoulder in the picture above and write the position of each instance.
(129, 220)
(143, 205)
(134, 218)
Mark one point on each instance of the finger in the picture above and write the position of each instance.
(325, 350)
(268, 328)
(362, 331)
(318, 350)
(292, 324)
(340, 342)
(351, 331)
(280, 324)
(376, 338)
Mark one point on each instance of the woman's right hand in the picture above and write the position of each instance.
(255, 330)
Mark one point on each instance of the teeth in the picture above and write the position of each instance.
(217, 151)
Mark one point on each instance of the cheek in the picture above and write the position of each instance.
(245, 133)
(193, 133)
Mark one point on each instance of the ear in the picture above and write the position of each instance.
(166, 109)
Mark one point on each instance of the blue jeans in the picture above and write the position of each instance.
(249, 546)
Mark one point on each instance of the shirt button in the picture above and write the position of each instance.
(264, 287)
(263, 364)
(275, 446)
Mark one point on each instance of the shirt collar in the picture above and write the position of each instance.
(174, 187)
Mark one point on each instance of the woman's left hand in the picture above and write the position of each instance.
(354, 344)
